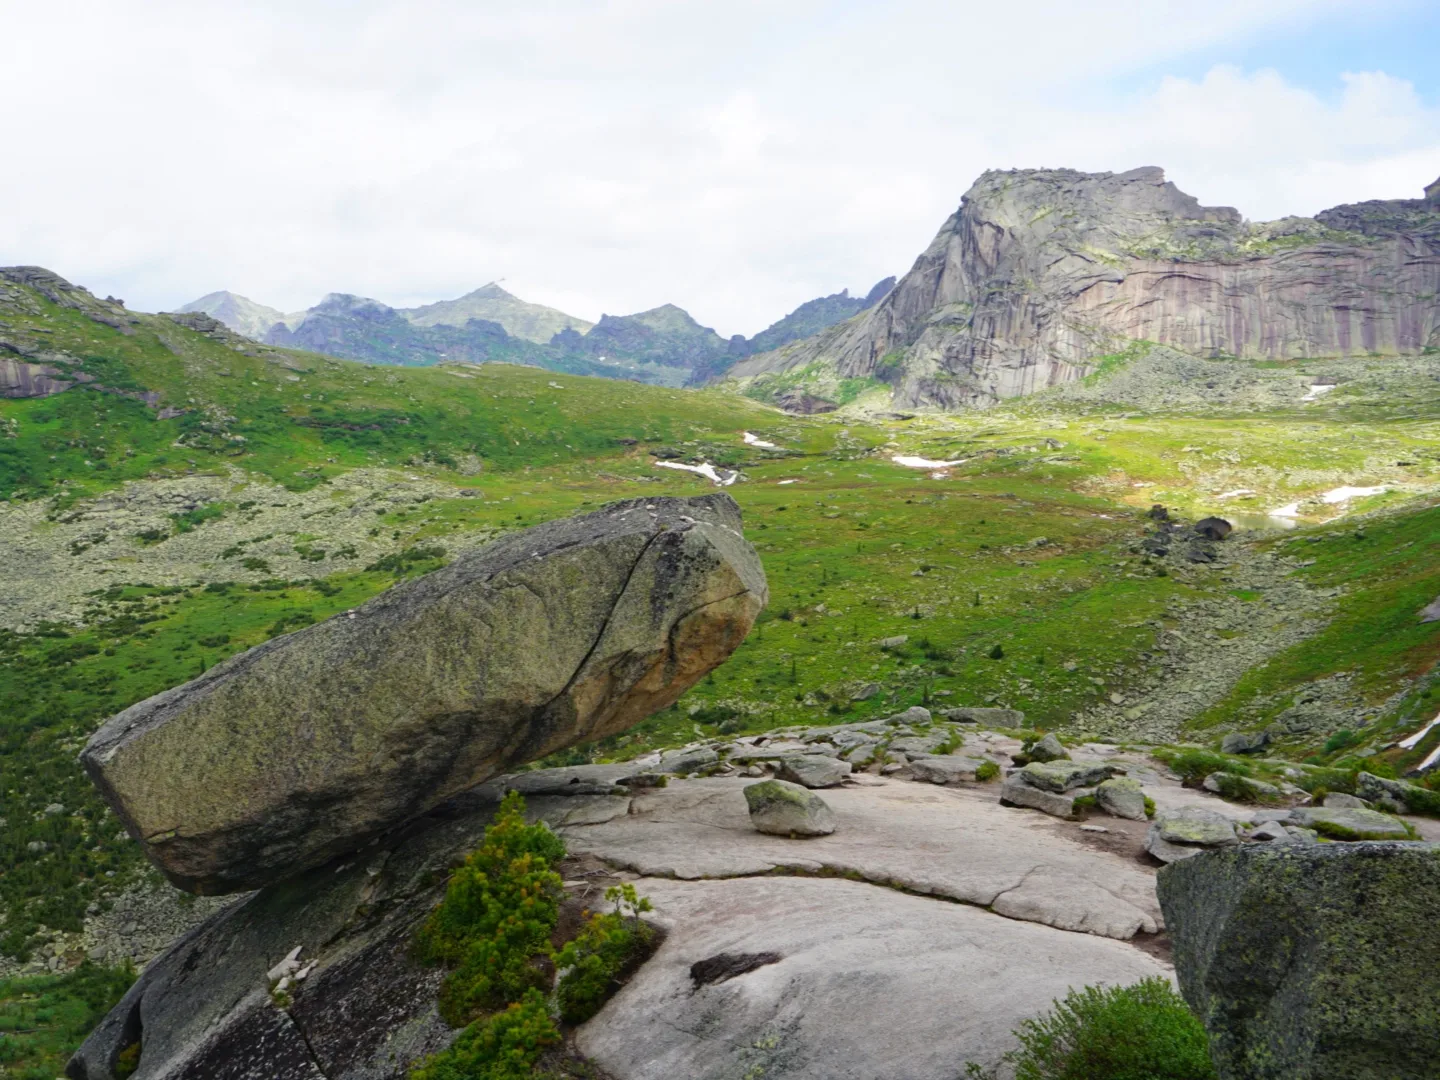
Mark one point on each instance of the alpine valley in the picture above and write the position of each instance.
(1109, 482)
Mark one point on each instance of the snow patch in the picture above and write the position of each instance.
(1345, 494)
(1316, 390)
(1333, 497)
(755, 440)
(1234, 494)
(1413, 741)
(912, 462)
(722, 478)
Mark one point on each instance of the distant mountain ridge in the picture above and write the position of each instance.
(663, 345)
(1041, 272)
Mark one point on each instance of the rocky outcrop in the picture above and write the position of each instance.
(306, 747)
(22, 380)
(810, 976)
(1318, 960)
(1042, 272)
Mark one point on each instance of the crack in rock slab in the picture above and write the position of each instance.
(869, 982)
(959, 844)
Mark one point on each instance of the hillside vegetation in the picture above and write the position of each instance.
(200, 494)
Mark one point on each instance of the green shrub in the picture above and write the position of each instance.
(986, 771)
(499, 910)
(1149, 807)
(1341, 740)
(1327, 780)
(1140, 1032)
(506, 1046)
(602, 953)
(1192, 766)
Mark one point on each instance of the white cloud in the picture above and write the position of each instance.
(735, 158)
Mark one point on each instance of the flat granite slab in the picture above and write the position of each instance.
(851, 981)
(956, 843)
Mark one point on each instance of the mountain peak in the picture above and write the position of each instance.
(521, 319)
(1432, 193)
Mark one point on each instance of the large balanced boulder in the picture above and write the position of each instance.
(306, 747)
(1318, 960)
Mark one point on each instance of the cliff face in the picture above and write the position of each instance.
(1041, 271)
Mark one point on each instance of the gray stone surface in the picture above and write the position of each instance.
(1245, 742)
(951, 842)
(1061, 776)
(1017, 791)
(1270, 831)
(1122, 797)
(1345, 823)
(868, 983)
(1311, 960)
(303, 748)
(364, 1012)
(1339, 800)
(1050, 748)
(814, 770)
(780, 808)
(1181, 834)
(1011, 718)
(1378, 789)
(944, 768)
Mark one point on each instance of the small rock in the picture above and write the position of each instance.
(944, 768)
(1377, 789)
(1122, 797)
(1062, 776)
(891, 768)
(1183, 833)
(783, 809)
(866, 692)
(916, 714)
(893, 642)
(1240, 788)
(1351, 824)
(1270, 831)
(1339, 800)
(1094, 828)
(814, 770)
(1015, 791)
(1049, 748)
(1011, 718)
(1245, 742)
(682, 762)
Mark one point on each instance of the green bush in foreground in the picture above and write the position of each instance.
(494, 930)
(497, 917)
(601, 954)
(1140, 1032)
(506, 1046)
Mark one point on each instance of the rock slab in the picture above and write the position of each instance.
(304, 748)
(1315, 960)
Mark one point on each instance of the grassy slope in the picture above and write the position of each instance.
(43, 1019)
(955, 564)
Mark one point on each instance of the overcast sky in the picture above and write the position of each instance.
(735, 157)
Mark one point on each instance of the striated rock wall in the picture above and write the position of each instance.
(1041, 271)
